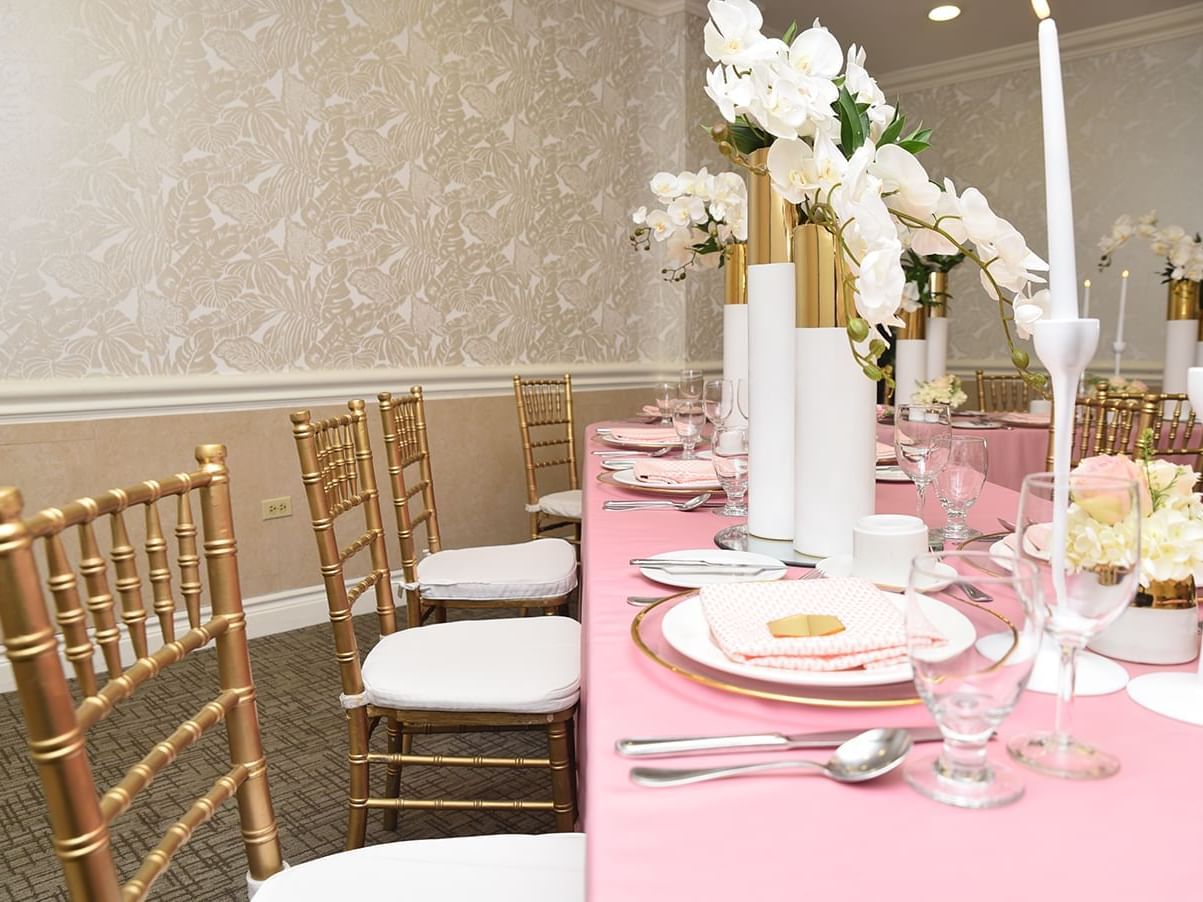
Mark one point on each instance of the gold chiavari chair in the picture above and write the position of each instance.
(469, 675)
(87, 616)
(1176, 429)
(1102, 425)
(535, 574)
(997, 394)
(545, 409)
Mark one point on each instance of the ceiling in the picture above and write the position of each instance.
(897, 34)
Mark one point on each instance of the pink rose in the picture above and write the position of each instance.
(1104, 501)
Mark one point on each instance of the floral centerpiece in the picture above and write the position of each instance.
(945, 390)
(845, 157)
(1117, 385)
(1183, 252)
(700, 215)
(1171, 526)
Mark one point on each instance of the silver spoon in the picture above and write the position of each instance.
(695, 502)
(641, 601)
(863, 757)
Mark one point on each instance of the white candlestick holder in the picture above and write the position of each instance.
(1178, 695)
(1118, 347)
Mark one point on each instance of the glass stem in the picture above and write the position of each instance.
(963, 761)
(921, 489)
(1066, 677)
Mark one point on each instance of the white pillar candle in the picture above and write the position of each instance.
(910, 367)
(1086, 300)
(1062, 276)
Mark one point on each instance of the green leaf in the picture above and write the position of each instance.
(912, 146)
(790, 32)
(892, 132)
(852, 130)
(746, 137)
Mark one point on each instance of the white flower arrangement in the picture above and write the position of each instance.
(840, 152)
(945, 390)
(1183, 252)
(702, 214)
(1117, 385)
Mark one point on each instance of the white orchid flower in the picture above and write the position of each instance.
(662, 227)
(879, 285)
(1030, 310)
(979, 220)
(815, 52)
(686, 210)
(774, 109)
(732, 36)
(639, 217)
(730, 91)
(664, 185)
(947, 217)
(860, 84)
(904, 178)
(791, 165)
(677, 250)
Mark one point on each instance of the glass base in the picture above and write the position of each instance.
(996, 785)
(732, 510)
(958, 533)
(1046, 753)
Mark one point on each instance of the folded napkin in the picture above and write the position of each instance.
(675, 472)
(874, 632)
(885, 452)
(1026, 419)
(644, 433)
(651, 410)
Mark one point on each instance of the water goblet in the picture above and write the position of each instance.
(690, 384)
(688, 418)
(731, 465)
(960, 481)
(718, 400)
(971, 663)
(918, 429)
(665, 393)
(1089, 575)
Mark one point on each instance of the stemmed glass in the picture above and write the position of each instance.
(690, 384)
(731, 464)
(971, 662)
(688, 418)
(918, 430)
(960, 481)
(665, 393)
(1085, 587)
(718, 400)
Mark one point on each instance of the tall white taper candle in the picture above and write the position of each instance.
(1086, 300)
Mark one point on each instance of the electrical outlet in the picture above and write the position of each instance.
(274, 508)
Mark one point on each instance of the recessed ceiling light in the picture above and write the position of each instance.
(944, 13)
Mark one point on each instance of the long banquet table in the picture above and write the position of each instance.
(801, 837)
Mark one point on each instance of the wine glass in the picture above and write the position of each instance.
(731, 464)
(688, 418)
(690, 384)
(1089, 574)
(665, 393)
(970, 662)
(718, 400)
(960, 481)
(741, 398)
(918, 429)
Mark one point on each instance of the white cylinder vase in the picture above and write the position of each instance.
(735, 327)
(1181, 336)
(910, 354)
(937, 326)
(834, 407)
(771, 400)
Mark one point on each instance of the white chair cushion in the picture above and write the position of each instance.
(520, 665)
(562, 504)
(543, 568)
(506, 868)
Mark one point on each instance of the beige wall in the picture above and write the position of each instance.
(477, 456)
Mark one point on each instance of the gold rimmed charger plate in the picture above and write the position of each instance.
(983, 543)
(648, 638)
(607, 477)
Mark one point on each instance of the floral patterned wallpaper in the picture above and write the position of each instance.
(1135, 120)
(209, 186)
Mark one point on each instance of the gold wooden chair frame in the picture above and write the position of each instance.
(998, 394)
(1103, 425)
(1174, 424)
(545, 408)
(407, 447)
(57, 726)
(337, 470)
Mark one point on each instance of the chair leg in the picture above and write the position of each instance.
(392, 783)
(563, 775)
(357, 757)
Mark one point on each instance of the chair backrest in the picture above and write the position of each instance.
(1002, 393)
(339, 478)
(1177, 431)
(406, 447)
(1103, 425)
(57, 725)
(545, 408)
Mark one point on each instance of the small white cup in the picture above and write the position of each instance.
(883, 546)
(1042, 406)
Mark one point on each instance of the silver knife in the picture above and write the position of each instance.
(647, 748)
(697, 562)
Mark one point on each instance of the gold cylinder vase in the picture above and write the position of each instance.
(771, 218)
(1183, 300)
(819, 297)
(1167, 593)
(735, 267)
(914, 324)
(938, 282)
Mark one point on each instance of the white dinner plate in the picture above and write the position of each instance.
(774, 569)
(609, 439)
(618, 463)
(686, 630)
(974, 424)
(891, 474)
(841, 565)
(626, 476)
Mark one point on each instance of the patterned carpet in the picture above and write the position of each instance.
(305, 739)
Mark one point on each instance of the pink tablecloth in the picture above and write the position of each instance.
(1015, 451)
(790, 837)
